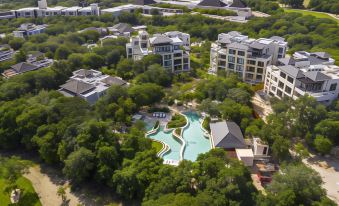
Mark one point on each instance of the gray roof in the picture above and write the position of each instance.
(237, 45)
(144, 2)
(277, 38)
(114, 81)
(227, 134)
(291, 70)
(212, 3)
(123, 27)
(84, 72)
(238, 4)
(322, 55)
(287, 61)
(316, 76)
(257, 45)
(23, 67)
(77, 87)
(225, 41)
(160, 39)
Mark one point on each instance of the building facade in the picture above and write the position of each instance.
(305, 73)
(172, 46)
(248, 58)
(29, 29)
(6, 53)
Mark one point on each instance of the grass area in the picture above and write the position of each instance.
(312, 13)
(28, 198)
(178, 131)
(177, 121)
(157, 146)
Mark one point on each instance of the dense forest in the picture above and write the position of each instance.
(77, 137)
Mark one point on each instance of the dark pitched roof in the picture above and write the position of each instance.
(322, 55)
(238, 4)
(160, 39)
(123, 27)
(114, 81)
(144, 2)
(316, 76)
(23, 67)
(77, 87)
(84, 72)
(237, 45)
(212, 3)
(291, 70)
(257, 45)
(227, 135)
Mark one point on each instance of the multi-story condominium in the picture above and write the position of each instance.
(172, 46)
(6, 53)
(89, 85)
(234, 52)
(29, 29)
(305, 73)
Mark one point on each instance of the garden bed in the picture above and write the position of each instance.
(177, 121)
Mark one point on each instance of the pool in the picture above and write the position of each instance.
(196, 142)
(166, 137)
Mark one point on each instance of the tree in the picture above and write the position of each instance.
(16, 43)
(93, 61)
(280, 147)
(62, 193)
(146, 94)
(62, 52)
(113, 57)
(76, 60)
(155, 74)
(322, 144)
(296, 185)
(79, 165)
(20, 56)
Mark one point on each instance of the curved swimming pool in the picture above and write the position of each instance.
(195, 141)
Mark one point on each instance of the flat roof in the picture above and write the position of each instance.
(244, 152)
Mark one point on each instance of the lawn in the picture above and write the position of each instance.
(28, 198)
(312, 13)
(157, 146)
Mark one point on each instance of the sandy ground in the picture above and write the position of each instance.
(47, 189)
(329, 172)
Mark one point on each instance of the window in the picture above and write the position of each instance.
(251, 62)
(260, 70)
(231, 59)
(240, 68)
(222, 63)
(288, 90)
(281, 85)
(273, 88)
(261, 64)
(279, 93)
(281, 50)
(240, 60)
(231, 66)
(250, 69)
(241, 53)
(249, 76)
(167, 57)
(275, 79)
(231, 51)
(333, 87)
(290, 79)
(259, 77)
(222, 56)
(176, 47)
(283, 75)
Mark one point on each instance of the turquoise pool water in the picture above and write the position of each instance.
(174, 153)
(196, 142)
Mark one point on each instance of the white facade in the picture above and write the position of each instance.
(172, 46)
(6, 53)
(246, 156)
(318, 81)
(248, 58)
(259, 148)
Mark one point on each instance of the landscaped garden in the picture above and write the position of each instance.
(177, 121)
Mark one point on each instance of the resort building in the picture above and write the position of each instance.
(32, 63)
(121, 29)
(227, 135)
(172, 46)
(302, 59)
(248, 58)
(319, 81)
(89, 85)
(29, 29)
(6, 53)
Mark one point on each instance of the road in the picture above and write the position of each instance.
(329, 175)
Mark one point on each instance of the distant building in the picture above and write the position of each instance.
(259, 147)
(298, 78)
(89, 85)
(248, 58)
(121, 29)
(101, 30)
(6, 53)
(29, 29)
(172, 46)
(34, 62)
(227, 135)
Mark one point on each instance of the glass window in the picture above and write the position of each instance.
(290, 79)
(251, 62)
(333, 87)
(231, 66)
(232, 51)
(288, 90)
(280, 85)
(260, 70)
(260, 64)
(283, 75)
(241, 53)
(231, 59)
(240, 68)
(240, 60)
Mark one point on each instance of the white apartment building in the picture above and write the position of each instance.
(6, 53)
(305, 73)
(172, 46)
(246, 57)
